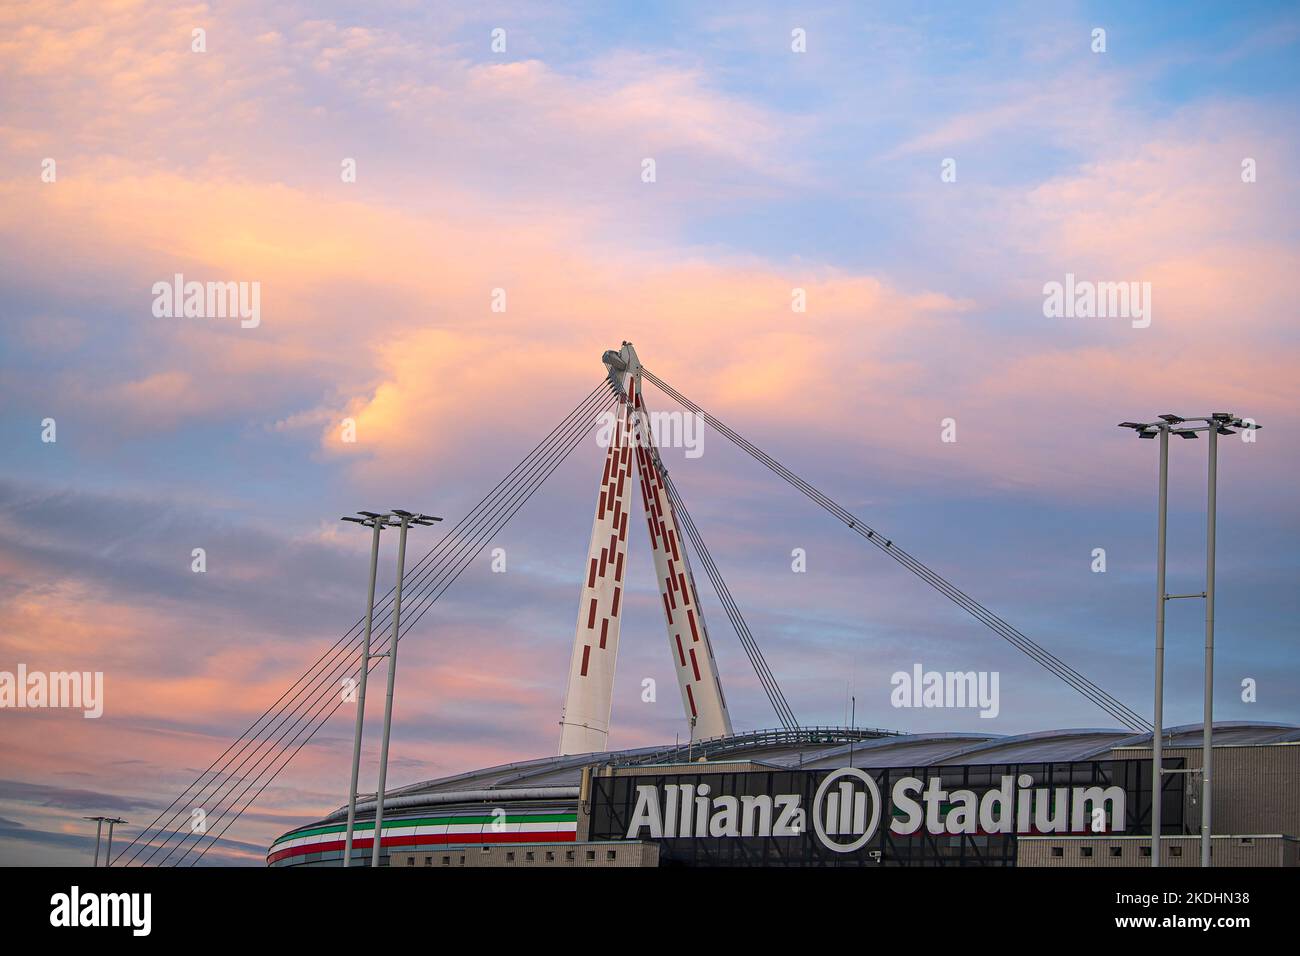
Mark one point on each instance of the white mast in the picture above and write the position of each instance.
(584, 722)
(588, 699)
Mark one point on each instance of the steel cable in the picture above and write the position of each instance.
(463, 559)
(752, 650)
(1046, 659)
(311, 681)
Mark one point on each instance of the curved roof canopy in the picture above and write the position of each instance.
(815, 748)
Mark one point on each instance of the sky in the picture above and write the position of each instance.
(915, 173)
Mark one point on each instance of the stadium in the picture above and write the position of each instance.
(577, 810)
(800, 795)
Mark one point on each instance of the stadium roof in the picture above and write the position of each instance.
(815, 748)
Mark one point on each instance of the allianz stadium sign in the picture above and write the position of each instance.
(792, 815)
(846, 810)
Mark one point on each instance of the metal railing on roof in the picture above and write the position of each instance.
(715, 748)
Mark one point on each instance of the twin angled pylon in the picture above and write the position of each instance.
(588, 698)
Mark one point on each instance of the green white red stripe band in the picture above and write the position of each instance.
(431, 831)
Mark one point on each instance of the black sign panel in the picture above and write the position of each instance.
(851, 817)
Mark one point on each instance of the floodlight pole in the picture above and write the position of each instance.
(406, 519)
(1207, 758)
(1215, 424)
(388, 700)
(108, 847)
(1157, 733)
(99, 829)
(378, 524)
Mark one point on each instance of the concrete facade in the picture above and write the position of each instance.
(1110, 851)
(629, 854)
(1256, 787)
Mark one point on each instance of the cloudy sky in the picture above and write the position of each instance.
(921, 171)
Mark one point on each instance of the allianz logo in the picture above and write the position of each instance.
(847, 808)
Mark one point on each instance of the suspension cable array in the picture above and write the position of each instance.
(1045, 658)
(214, 801)
(752, 650)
